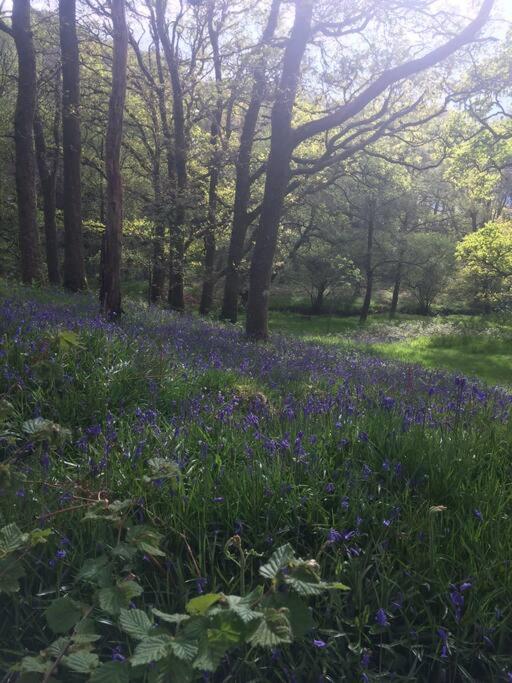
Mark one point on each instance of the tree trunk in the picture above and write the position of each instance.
(396, 290)
(215, 160)
(177, 247)
(111, 268)
(74, 267)
(243, 184)
(156, 287)
(24, 141)
(369, 271)
(318, 302)
(48, 180)
(278, 171)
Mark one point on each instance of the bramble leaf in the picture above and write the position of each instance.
(63, 614)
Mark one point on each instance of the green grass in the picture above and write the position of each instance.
(266, 447)
(479, 346)
(473, 357)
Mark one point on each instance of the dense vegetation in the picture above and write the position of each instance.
(395, 479)
(179, 502)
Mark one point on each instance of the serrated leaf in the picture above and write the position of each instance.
(41, 429)
(35, 665)
(280, 559)
(81, 662)
(145, 539)
(114, 598)
(135, 623)
(170, 618)
(273, 629)
(85, 632)
(224, 631)
(111, 672)
(63, 614)
(11, 538)
(242, 608)
(202, 603)
(152, 649)
(38, 536)
(305, 587)
(11, 571)
(96, 570)
(170, 670)
(183, 649)
(164, 469)
(58, 647)
(299, 614)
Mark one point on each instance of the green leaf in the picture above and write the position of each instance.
(58, 647)
(224, 631)
(280, 559)
(184, 649)
(96, 571)
(170, 670)
(273, 629)
(299, 614)
(161, 468)
(81, 662)
(111, 672)
(11, 570)
(150, 549)
(63, 614)
(152, 649)
(242, 608)
(170, 618)
(35, 665)
(135, 623)
(11, 538)
(68, 339)
(41, 429)
(38, 536)
(202, 603)
(114, 598)
(145, 539)
(85, 632)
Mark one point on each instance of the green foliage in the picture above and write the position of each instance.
(485, 260)
(215, 623)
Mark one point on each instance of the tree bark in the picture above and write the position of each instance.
(177, 246)
(318, 302)
(369, 270)
(24, 142)
(396, 290)
(243, 183)
(48, 180)
(278, 171)
(110, 293)
(74, 266)
(214, 169)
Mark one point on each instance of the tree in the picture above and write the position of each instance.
(284, 139)
(321, 272)
(485, 261)
(74, 268)
(241, 220)
(432, 259)
(110, 293)
(21, 31)
(47, 164)
(177, 246)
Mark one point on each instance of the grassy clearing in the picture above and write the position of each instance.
(474, 346)
(396, 482)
